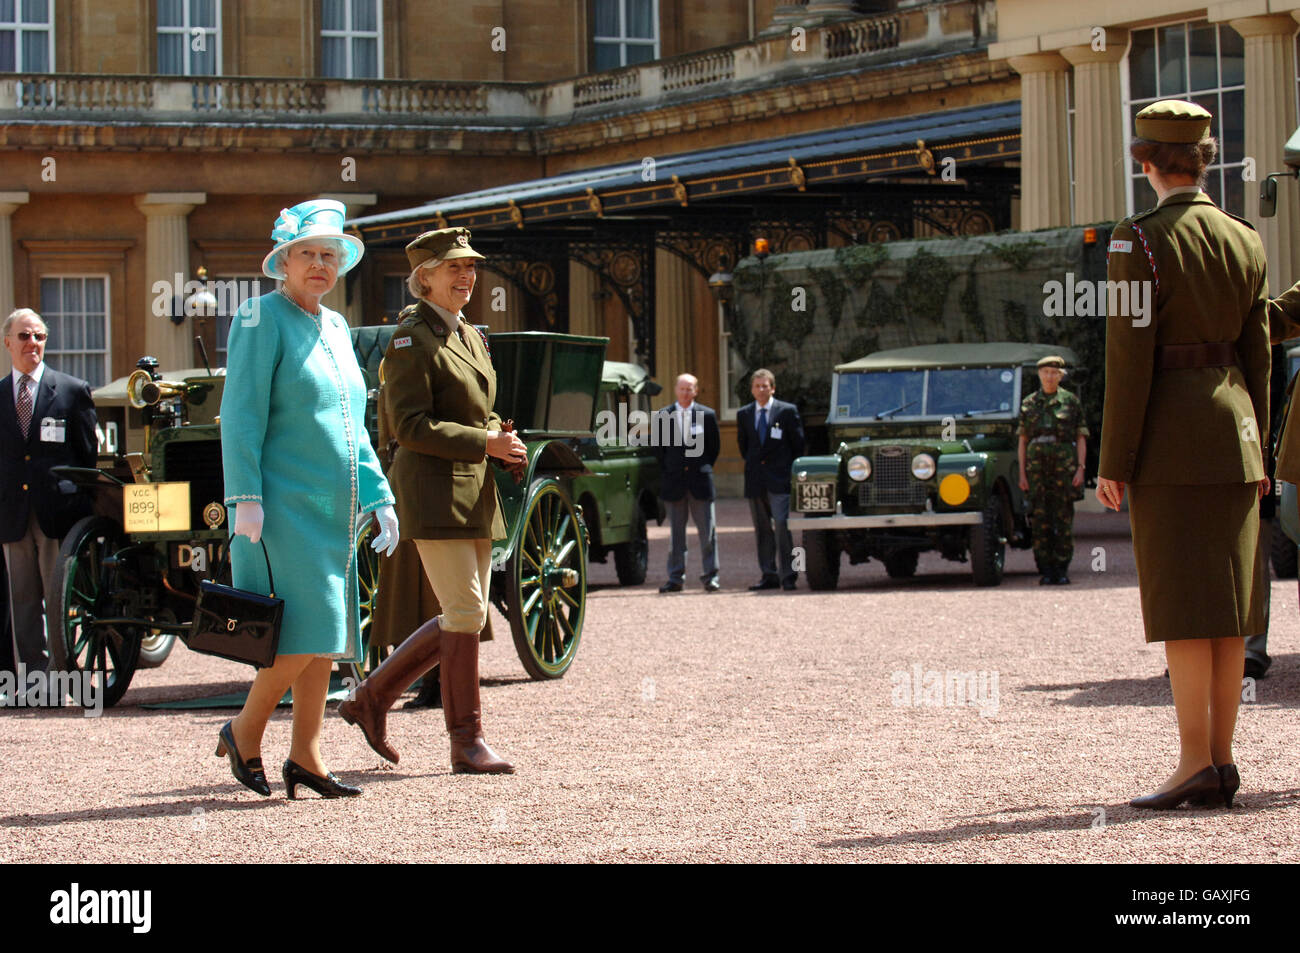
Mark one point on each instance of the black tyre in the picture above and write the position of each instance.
(901, 564)
(988, 547)
(1284, 554)
(87, 580)
(822, 552)
(631, 559)
(546, 582)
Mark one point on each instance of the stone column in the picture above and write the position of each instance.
(673, 316)
(1270, 120)
(1099, 161)
(1044, 157)
(9, 202)
(355, 203)
(585, 314)
(167, 255)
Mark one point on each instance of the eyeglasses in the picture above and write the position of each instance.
(28, 335)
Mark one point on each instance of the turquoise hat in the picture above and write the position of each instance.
(312, 221)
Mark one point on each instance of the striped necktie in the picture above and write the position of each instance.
(25, 405)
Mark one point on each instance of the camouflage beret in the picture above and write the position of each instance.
(443, 244)
(1173, 120)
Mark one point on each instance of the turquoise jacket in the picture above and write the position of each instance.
(293, 438)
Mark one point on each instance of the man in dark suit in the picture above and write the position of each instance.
(688, 446)
(770, 435)
(46, 419)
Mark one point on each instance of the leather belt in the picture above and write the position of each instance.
(1043, 440)
(1173, 357)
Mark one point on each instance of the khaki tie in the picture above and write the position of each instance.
(25, 405)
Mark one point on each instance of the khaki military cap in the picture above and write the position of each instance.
(1052, 360)
(441, 245)
(1173, 120)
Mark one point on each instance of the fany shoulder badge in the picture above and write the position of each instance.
(1119, 245)
(403, 341)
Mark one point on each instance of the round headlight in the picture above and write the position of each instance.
(923, 466)
(859, 468)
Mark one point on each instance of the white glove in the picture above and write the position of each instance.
(386, 541)
(248, 520)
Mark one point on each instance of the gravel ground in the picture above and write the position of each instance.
(730, 727)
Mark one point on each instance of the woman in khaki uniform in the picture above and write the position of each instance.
(440, 387)
(1186, 404)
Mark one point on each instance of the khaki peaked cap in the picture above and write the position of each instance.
(1052, 360)
(1173, 120)
(444, 244)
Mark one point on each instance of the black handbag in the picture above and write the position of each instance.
(236, 624)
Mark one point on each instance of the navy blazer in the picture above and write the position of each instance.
(683, 473)
(767, 465)
(25, 481)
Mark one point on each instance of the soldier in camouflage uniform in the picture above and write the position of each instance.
(1052, 447)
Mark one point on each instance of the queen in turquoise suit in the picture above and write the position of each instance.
(299, 471)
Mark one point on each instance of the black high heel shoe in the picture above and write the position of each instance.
(1202, 784)
(248, 773)
(328, 786)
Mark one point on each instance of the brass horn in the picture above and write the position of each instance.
(143, 391)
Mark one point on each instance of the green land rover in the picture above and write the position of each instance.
(925, 460)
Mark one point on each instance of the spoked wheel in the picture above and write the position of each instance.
(367, 591)
(547, 582)
(87, 581)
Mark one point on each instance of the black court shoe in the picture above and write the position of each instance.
(1204, 784)
(248, 773)
(327, 787)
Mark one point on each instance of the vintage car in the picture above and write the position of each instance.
(926, 460)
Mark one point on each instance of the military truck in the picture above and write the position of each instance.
(925, 460)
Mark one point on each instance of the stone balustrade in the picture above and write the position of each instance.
(942, 25)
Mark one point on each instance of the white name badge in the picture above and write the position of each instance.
(53, 431)
(775, 432)
(697, 429)
(1121, 246)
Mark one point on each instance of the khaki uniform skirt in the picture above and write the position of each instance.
(1198, 563)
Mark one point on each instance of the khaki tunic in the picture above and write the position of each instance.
(405, 600)
(1189, 442)
(439, 391)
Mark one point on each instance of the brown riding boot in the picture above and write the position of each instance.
(460, 704)
(369, 704)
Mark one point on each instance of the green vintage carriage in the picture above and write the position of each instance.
(128, 575)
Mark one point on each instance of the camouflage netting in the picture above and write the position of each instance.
(866, 298)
